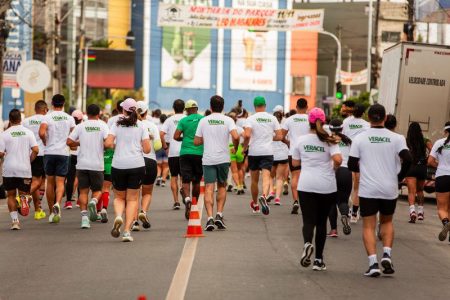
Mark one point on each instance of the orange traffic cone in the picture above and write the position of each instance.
(194, 228)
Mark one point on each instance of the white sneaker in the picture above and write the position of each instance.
(85, 224)
(126, 237)
(50, 218)
(353, 219)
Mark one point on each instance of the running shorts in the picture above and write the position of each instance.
(88, 179)
(13, 183)
(370, 206)
(56, 165)
(107, 160)
(291, 167)
(442, 184)
(161, 156)
(216, 173)
(37, 167)
(263, 162)
(151, 170)
(280, 162)
(418, 171)
(123, 179)
(191, 168)
(174, 166)
(238, 156)
(107, 177)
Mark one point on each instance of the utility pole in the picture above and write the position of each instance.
(57, 82)
(349, 69)
(50, 47)
(81, 41)
(369, 45)
(4, 31)
(410, 25)
(377, 46)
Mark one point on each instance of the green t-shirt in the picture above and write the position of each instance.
(108, 157)
(188, 126)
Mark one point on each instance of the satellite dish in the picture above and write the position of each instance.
(33, 76)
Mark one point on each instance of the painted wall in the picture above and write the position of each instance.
(119, 22)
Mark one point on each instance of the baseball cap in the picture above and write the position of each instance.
(259, 101)
(278, 108)
(377, 113)
(190, 104)
(142, 106)
(316, 114)
(129, 104)
(78, 114)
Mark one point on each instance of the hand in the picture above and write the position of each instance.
(233, 151)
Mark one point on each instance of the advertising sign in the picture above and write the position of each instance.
(11, 63)
(356, 78)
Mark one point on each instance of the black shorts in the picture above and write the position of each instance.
(56, 165)
(37, 167)
(370, 206)
(442, 184)
(123, 179)
(13, 183)
(151, 170)
(291, 167)
(417, 171)
(174, 166)
(88, 179)
(191, 168)
(280, 162)
(107, 177)
(263, 162)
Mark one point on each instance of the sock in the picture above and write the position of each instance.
(373, 259)
(84, 213)
(319, 260)
(355, 210)
(387, 250)
(445, 221)
(210, 218)
(187, 199)
(420, 209)
(14, 216)
(105, 199)
(95, 200)
(272, 193)
(219, 213)
(412, 208)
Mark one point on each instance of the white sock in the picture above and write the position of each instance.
(14, 216)
(387, 250)
(412, 208)
(84, 213)
(220, 214)
(373, 259)
(210, 218)
(420, 209)
(95, 200)
(187, 199)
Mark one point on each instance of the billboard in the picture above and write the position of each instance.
(11, 62)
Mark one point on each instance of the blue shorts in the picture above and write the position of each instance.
(161, 156)
(56, 165)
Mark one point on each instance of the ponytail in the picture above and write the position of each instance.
(447, 129)
(321, 133)
(345, 139)
(130, 120)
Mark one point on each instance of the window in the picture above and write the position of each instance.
(390, 36)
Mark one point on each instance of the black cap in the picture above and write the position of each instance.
(377, 113)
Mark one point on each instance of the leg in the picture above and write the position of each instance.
(308, 206)
(332, 216)
(266, 181)
(59, 188)
(420, 198)
(325, 202)
(254, 186)
(70, 181)
(132, 196)
(35, 184)
(442, 200)
(147, 191)
(387, 230)
(209, 199)
(235, 173)
(221, 196)
(280, 177)
(119, 202)
(50, 191)
(295, 175)
(164, 170)
(174, 188)
(369, 225)
(355, 197)
(273, 174)
(84, 194)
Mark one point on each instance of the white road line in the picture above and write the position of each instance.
(180, 279)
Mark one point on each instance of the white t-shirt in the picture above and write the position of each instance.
(59, 125)
(263, 126)
(128, 152)
(91, 135)
(113, 120)
(16, 142)
(377, 150)
(169, 127)
(33, 123)
(240, 122)
(153, 132)
(345, 151)
(280, 151)
(354, 126)
(317, 175)
(215, 130)
(443, 168)
(297, 125)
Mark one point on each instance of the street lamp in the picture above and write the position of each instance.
(339, 55)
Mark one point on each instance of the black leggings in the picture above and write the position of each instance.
(315, 208)
(71, 175)
(344, 189)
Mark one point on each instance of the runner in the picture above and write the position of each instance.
(54, 131)
(90, 138)
(416, 176)
(214, 133)
(161, 158)
(173, 146)
(260, 129)
(131, 140)
(391, 122)
(319, 155)
(190, 154)
(440, 158)
(374, 154)
(37, 166)
(294, 127)
(113, 120)
(16, 143)
(237, 159)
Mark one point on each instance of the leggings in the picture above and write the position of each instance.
(70, 179)
(315, 209)
(344, 189)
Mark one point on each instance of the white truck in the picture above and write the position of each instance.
(415, 86)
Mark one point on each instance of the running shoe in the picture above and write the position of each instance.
(98, 217)
(386, 263)
(277, 202)
(163, 183)
(15, 225)
(188, 205)
(444, 232)
(92, 209)
(57, 213)
(210, 225)
(51, 217)
(373, 271)
(412, 217)
(319, 265)
(158, 181)
(229, 188)
(333, 233)
(104, 215)
(68, 205)
(219, 222)
(345, 225)
(285, 188)
(255, 207)
(115, 232)
(78, 203)
(354, 218)
(135, 226)
(270, 198)
(24, 205)
(420, 216)
(85, 224)
(126, 237)
(38, 215)
(244, 186)
(264, 207)
(144, 219)
(295, 207)
(308, 250)
(176, 206)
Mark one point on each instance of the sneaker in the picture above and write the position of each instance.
(39, 215)
(188, 205)
(115, 232)
(92, 211)
(333, 233)
(277, 202)
(163, 183)
(74, 198)
(295, 207)
(308, 250)
(219, 223)
(126, 237)
(78, 203)
(104, 215)
(158, 181)
(285, 189)
(15, 225)
(24, 205)
(255, 207)
(135, 226)
(144, 219)
(229, 188)
(345, 225)
(373, 271)
(98, 217)
(210, 225)
(354, 219)
(51, 217)
(386, 263)
(264, 207)
(319, 265)
(412, 217)
(420, 216)
(444, 232)
(270, 198)
(57, 213)
(176, 206)
(85, 224)
(68, 205)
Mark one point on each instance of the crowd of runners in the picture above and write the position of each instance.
(345, 164)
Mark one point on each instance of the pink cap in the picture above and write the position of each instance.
(77, 114)
(128, 104)
(316, 114)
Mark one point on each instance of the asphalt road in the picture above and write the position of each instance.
(257, 257)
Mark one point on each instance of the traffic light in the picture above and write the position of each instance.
(339, 94)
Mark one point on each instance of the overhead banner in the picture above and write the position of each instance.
(255, 18)
(357, 78)
(254, 54)
(11, 63)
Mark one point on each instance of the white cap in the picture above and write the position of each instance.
(278, 108)
(142, 106)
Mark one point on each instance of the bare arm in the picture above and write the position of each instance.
(337, 160)
(235, 138)
(278, 135)
(43, 133)
(109, 142)
(146, 146)
(296, 163)
(162, 135)
(198, 141)
(432, 161)
(178, 135)
(72, 144)
(34, 153)
(247, 135)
